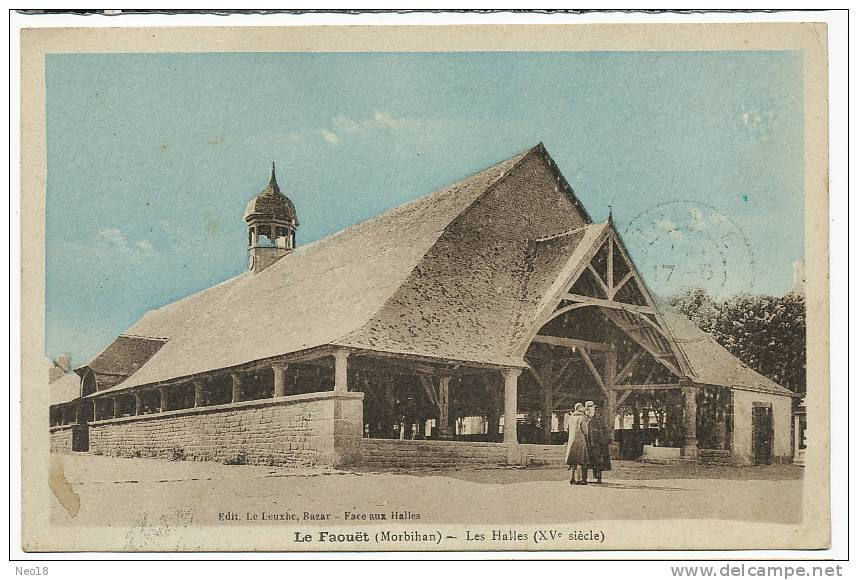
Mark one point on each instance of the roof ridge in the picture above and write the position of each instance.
(436, 193)
(563, 233)
(143, 336)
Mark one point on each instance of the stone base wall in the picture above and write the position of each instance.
(61, 439)
(393, 453)
(535, 454)
(313, 429)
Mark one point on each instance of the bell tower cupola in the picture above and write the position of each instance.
(271, 223)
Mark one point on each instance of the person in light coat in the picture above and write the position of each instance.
(577, 452)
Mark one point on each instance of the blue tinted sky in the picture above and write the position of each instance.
(152, 158)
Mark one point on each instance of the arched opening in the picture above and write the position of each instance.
(584, 352)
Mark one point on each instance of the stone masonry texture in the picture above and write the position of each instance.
(318, 429)
(61, 439)
(393, 453)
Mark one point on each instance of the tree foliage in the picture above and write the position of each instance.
(766, 333)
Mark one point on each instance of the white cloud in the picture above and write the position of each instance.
(669, 227)
(666, 225)
(758, 121)
(385, 119)
(330, 137)
(378, 121)
(346, 124)
(118, 242)
(113, 236)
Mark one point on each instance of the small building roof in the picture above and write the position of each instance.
(124, 355)
(65, 389)
(711, 363)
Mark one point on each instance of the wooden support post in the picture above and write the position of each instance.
(138, 403)
(499, 410)
(341, 372)
(199, 393)
(444, 407)
(117, 407)
(95, 409)
(494, 409)
(237, 391)
(279, 380)
(164, 404)
(611, 394)
(547, 412)
(689, 449)
(390, 416)
(510, 390)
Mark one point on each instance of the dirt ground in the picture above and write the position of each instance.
(106, 490)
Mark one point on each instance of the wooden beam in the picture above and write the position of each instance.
(651, 372)
(598, 278)
(649, 387)
(593, 370)
(623, 397)
(536, 376)
(611, 289)
(570, 342)
(645, 345)
(609, 303)
(429, 387)
(679, 355)
(564, 370)
(622, 282)
(630, 366)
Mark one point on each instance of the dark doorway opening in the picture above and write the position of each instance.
(763, 435)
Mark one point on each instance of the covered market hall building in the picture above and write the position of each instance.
(459, 328)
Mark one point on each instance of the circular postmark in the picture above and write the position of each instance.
(690, 244)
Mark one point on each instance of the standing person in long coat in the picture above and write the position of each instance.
(598, 439)
(577, 452)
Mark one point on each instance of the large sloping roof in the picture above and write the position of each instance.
(711, 363)
(460, 274)
(312, 297)
(472, 295)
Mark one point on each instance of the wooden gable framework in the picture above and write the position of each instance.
(623, 342)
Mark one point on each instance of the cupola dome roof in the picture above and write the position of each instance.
(271, 205)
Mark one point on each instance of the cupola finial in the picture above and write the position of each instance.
(271, 222)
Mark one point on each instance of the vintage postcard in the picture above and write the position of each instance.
(420, 288)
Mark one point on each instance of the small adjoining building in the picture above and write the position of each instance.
(455, 329)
